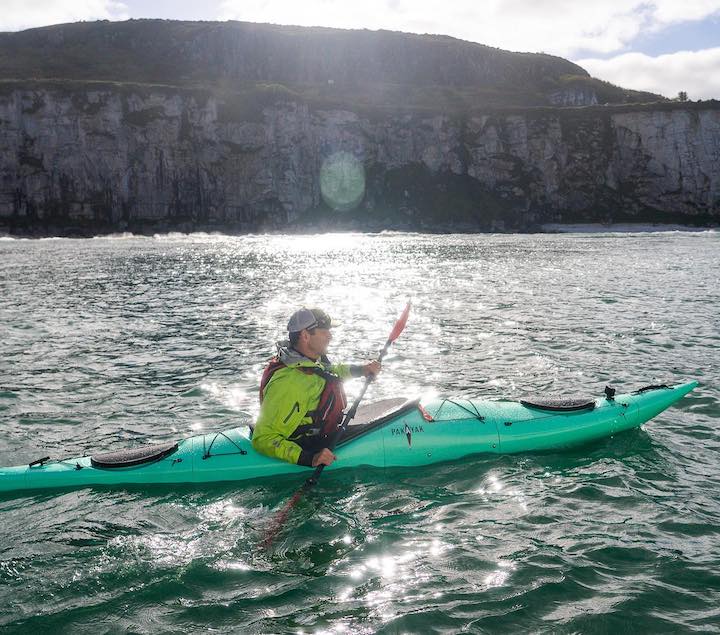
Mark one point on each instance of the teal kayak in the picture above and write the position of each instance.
(388, 433)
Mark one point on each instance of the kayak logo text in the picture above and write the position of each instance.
(407, 431)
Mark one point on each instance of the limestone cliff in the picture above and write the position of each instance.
(154, 125)
(90, 158)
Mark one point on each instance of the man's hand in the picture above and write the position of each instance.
(371, 369)
(324, 457)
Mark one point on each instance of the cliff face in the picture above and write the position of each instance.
(106, 158)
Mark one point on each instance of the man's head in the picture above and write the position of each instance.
(309, 332)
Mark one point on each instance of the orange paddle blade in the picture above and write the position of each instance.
(400, 324)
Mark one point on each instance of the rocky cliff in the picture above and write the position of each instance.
(106, 158)
(261, 127)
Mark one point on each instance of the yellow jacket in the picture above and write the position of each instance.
(288, 397)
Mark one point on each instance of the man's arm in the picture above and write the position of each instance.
(345, 371)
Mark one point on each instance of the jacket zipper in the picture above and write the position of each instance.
(290, 414)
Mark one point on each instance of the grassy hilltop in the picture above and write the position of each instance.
(331, 67)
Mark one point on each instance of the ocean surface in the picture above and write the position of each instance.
(120, 341)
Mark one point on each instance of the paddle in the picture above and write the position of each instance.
(312, 480)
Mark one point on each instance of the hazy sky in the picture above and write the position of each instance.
(659, 45)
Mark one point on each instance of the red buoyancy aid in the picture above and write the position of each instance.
(329, 412)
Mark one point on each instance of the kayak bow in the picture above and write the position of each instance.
(389, 433)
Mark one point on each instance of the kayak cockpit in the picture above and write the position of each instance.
(372, 416)
(377, 414)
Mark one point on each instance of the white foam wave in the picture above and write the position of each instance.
(117, 236)
(192, 236)
(620, 228)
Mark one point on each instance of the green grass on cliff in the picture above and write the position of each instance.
(246, 103)
(370, 70)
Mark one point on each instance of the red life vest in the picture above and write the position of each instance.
(329, 412)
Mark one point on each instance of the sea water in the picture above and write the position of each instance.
(121, 341)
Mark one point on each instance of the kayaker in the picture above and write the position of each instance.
(301, 393)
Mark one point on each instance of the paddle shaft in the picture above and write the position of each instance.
(349, 416)
(280, 519)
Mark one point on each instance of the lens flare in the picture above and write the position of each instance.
(342, 181)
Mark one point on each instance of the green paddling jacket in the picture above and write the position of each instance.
(288, 398)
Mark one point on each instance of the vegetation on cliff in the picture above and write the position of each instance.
(335, 67)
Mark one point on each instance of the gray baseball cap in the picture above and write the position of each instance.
(310, 319)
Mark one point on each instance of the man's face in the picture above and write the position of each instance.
(318, 341)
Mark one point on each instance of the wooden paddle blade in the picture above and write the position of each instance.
(400, 324)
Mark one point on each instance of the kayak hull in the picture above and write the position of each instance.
(444, 430)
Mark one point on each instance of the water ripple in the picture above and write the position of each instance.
(124, 340)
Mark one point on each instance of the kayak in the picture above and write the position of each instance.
(387, 433)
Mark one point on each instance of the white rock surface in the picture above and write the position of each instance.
(119, 158)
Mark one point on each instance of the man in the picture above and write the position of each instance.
(301, 393)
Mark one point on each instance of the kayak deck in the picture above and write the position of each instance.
(389, 433)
